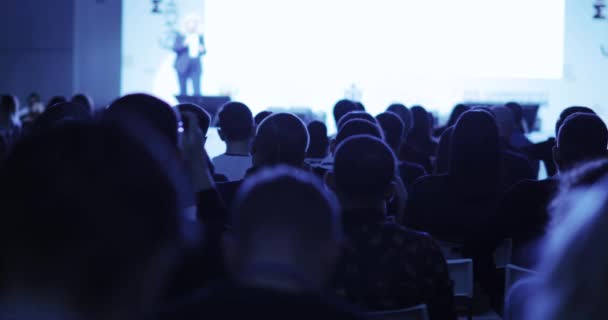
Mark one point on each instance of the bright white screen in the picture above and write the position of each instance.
(283, 52)
(310, 53)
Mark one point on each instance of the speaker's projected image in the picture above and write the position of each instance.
(311, 53)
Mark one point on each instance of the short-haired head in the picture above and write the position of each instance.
(319, 142)
(358, 127)
(364, 169)
(9, 105)
(355, 115)
(582, 137)
(283, 215)
(84, 100)
(405, 114)
(55, 100)
(61, 113)
(343, 107)
(282, 138)
(155, 112)
(261, 116)
(393, 129)
(458, 110)
(204, 119)
(235, 122)
(568, 112)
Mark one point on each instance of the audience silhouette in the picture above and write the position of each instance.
(119, 213)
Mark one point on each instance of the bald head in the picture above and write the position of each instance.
(582, 137)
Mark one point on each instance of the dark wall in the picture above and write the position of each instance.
(61, 47)
(36, 51)
(97, 48)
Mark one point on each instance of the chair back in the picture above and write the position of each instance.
(461, 273)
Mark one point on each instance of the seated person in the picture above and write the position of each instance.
(406, 151)
(544, 150)
(281, 138)
(90, 232)
(236, 129)
(523, 214)
(393, 129)
(384, 266)
(281, 252)
(204, 120)
(319, 143)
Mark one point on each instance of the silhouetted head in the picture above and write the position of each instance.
(319, 142)
(283, 217)
(282, 138)
(573, 262)
(355, 115)
(360, 105)
(55, 100)
(153, 111)
(235, 122)
(568, 112)
(9, 106)
(406, 116)
(261, 116)
(475, 158)
(84, 100)
(61, 113)
(505, 120)
(343, 107)
(93, 228)
(364, 169)
(422, 126)
(443, 151)
(458, 110)
(393, 128)
(357, 127)
(204, 119)
(582, 137)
